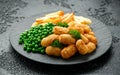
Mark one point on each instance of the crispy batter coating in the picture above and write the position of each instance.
(86, 28)
(68, 51)
(53, 51)
(76, 27)
(82, 48)
(66, 39)
(84, 39)
(85, 48)
(91, 47)
(48, 40)
(91, 33)
(60, 30)
(91, 38)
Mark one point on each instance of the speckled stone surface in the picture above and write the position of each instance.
(12, 11)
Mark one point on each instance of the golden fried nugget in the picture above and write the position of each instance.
(91, 47)
(48, 40)
(68, 51)
(81, 47)
(53, 51)
(66, 39)
(60, 30)
(86, 28)
(76, 27)
(84, 39)
(91, 33)
(91, 38)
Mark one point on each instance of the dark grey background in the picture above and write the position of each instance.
(12, 11)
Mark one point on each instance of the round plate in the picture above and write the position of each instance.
(101, 32)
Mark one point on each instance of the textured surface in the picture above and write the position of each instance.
(106, 11)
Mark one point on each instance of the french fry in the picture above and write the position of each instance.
(53, 20)
(82, 20)
(72, 23)
(60, 13)
(69, 18)
(65, 16)
(40, 20)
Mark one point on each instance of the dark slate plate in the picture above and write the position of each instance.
(101, 32)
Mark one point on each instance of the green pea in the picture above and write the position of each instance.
(25, 47)
(42, 51)
(39, 31)
(33, 44)
(36, 45)
(20, 41)
(34, 50)
(28, 49)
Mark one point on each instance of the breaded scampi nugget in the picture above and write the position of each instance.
(60, 30)
(76, 27)
(68, 51)
(66, 39)
(85, 39)
(81, 47)
(91, 38)
(53, 51)
(48, 40)
(86, 28)
(91, 47)
(91, 33)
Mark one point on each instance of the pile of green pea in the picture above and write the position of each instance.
(31, 38)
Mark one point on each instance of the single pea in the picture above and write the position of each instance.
(29, 41)
(44, 30)
(25, 42)
(42, 51)
(39, 49)
(39, 31)
(36, 42)
(28, 49)
(25, 33)
(34, 38)
(20, 41)
(45, 33)
(36, 45)
(24, 37)
(36, 35)
(30, 45)
(33, 44)
(25, 47)
(33, 50)
(43, 36)
(38, 39)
